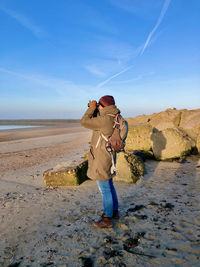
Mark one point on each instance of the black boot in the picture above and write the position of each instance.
(115, 214)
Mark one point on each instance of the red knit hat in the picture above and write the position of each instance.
(107, 100)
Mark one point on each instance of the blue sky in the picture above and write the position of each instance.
(56, 55)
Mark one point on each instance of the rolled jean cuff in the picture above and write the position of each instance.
(109, 197)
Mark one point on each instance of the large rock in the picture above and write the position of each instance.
(169, 118)
(63, 175)
(139, 138)
(129, 167)
(190, 122)
(141, 119)
(171, 143)
(198, 143)
(190, 118)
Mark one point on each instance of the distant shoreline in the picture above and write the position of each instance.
(42, 131)
(38, 122)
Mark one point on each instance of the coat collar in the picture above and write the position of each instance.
(112, 109)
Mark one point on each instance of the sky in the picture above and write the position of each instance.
(55, 56)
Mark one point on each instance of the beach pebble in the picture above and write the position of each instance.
(171, 253)
(68, 236)
(101, 260)
(93, 249)
(109, 240)
(150, 236)
(131, 242)
(141, 217)
(168, 206)
(123, 226)
(136, 208)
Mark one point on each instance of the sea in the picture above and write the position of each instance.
(11, 127)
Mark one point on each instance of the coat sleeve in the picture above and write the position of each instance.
(90, 122)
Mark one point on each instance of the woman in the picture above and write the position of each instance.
(99, 161)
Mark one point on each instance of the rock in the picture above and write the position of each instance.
(190, 123)
(131, 243)
(169, 118)
(192, 132)
(198, 143)
(168, 206)
(144, 154)
(150, 236)
(101, 261)
(66, 176)
(183, 160)
(129, 168)
(109, 240)
(93, 249)
(139, 138)
(141, 217)
(136, 208)
(141, 119)
(190, 118)
(123, 226)
(171, 143)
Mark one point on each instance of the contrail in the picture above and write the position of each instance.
(113, 76)
(162, 14)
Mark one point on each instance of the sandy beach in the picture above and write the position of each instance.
(159, 221)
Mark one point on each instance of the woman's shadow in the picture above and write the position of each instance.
(158, 144)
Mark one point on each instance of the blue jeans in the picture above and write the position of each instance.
(109, 196)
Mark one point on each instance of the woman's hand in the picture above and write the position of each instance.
(93, 104)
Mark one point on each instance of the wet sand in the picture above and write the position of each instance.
(40, 226)
(23, 133)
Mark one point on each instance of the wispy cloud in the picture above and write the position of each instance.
(24, 21)
(162, 14)
(64, 88)
(113, 76)
(95, 70)
(140, 8)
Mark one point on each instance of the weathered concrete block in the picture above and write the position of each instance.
(198, 143)
(169, 118)
(129, 167)
(171, 143)
(139, 138)
(66, 176)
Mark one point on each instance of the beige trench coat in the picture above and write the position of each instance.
(99, 160)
